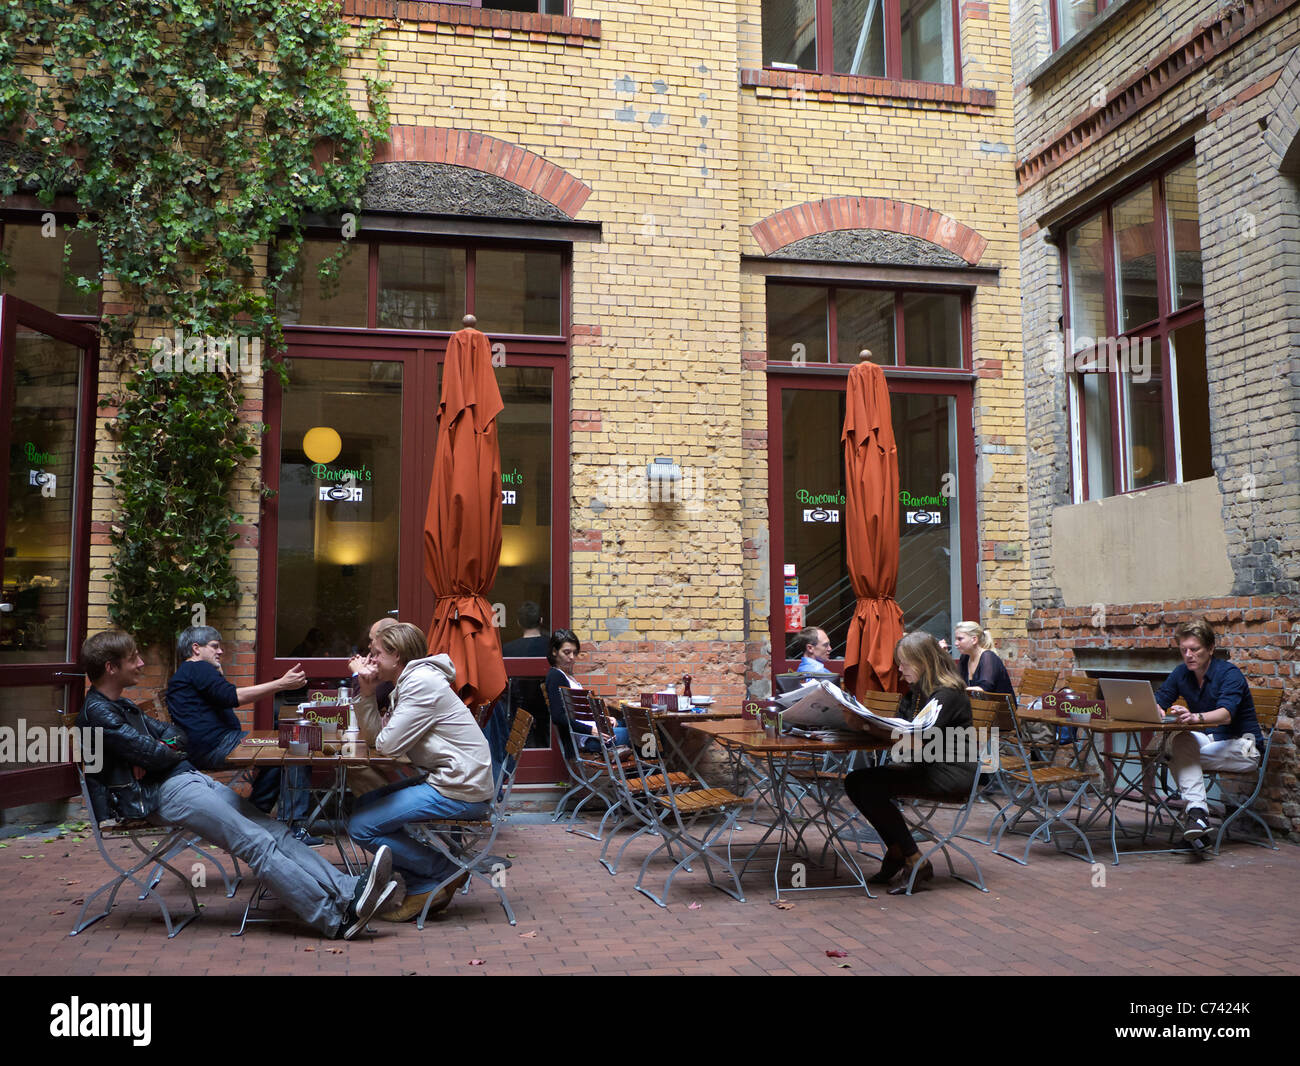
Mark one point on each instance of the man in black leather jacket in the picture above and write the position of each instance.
(146, 774)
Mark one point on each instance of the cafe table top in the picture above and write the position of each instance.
(1110, 725)
(262, 748)
(756, 740)
(687, 716)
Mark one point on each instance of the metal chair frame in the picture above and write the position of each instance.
(678, 826)
(468, 842)
(1271, 699)
(589, 771)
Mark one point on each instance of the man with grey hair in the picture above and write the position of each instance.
(202, 702)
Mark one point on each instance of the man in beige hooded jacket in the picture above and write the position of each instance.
(430, 726)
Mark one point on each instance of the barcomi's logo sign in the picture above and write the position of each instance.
(79, 1019)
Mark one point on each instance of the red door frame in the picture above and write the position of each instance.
(420, 357)
(836, 381)
(18, 787)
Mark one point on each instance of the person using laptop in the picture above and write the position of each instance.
(813, 647)
(1227, 736)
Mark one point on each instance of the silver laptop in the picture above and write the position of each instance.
(1131, 701)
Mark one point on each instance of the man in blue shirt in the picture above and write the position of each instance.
(814, 648)
(1218, 697)
(202, 702)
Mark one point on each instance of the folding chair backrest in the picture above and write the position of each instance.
(881, 703)
(1268, 705)
(643, 739)
(518, 734)
(997, 708)
(984, 717)
(1083, 685)
(1035, 683)
(577, 701)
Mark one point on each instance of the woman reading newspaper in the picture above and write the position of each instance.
(932, 676)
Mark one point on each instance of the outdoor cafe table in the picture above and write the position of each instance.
(684, 718)
(1116, 788)
(259, 750)
(779, 752)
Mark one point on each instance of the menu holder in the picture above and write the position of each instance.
(1073, 708)
(660, 701)
(299, 731)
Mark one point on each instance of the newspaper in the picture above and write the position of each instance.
(820, 705)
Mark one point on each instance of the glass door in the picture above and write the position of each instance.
(47, 395)
(810, 584)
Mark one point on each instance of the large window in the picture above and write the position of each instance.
(914, 40)
(427, 287)
(45, 259)
(1134, 344)
(812, 324)
(1071, 16)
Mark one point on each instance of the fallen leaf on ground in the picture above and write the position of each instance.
(335, 951)
(693, 907)
(29, 856)
(528, 936)
(782, 905)
(476, 962)
(843, 966)
(308, 949)
(512, 855)
(56, 912)
(836, 953)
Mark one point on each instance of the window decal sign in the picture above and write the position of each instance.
(821, 514)
(341, 493)
(321, 472)
(821, 499)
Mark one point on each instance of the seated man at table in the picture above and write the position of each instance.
(147, 773)
(435, 731)
(1217, 696)
(202, 702)
(813, 647)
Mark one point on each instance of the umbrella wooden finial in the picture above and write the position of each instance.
(469, 321)
(865, 355)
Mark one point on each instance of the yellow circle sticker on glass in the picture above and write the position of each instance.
(322, 444)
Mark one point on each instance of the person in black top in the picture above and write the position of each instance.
(202, 702)
(980, 665)
(562, 652)
(932, 676)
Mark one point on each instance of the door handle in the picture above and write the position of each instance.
(61, 673)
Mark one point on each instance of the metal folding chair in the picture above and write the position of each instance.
(168, 841)
(945, 839)
(588, 770)
(468, 842)
(1033, 798)
(693, 819)
(1268, 705)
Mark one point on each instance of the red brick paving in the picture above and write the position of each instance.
(1045, 919)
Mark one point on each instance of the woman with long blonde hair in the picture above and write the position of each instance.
(932, 675)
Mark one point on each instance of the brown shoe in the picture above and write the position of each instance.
(443, 899)
(410, 908)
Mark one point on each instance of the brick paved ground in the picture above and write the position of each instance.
(1046, 918)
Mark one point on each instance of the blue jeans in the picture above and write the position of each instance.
(380, 815)
(266, 783)
(592, 743)
(309, 886)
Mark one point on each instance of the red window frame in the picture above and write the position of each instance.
(1159, 329)
(493, 7)
(780, 379)
(900, 338)
(893, 43)
(421, 353)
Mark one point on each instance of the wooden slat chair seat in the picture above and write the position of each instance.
(690, 819)
(1035, 784)
(1268, 707)
(1034, 683)
(469, 842)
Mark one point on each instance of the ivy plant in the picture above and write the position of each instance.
(193, 135)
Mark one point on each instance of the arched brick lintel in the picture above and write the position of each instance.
(867, 212)
(1283, 133)
(478, 151)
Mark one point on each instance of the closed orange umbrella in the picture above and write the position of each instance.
(462, 526)
(871, 520)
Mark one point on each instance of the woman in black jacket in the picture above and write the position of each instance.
(932, 676)
(980, 664)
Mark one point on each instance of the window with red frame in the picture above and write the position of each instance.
(810, 324)
(1071, 16)
(911, 40)
(539, 7)
(1134, 343)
